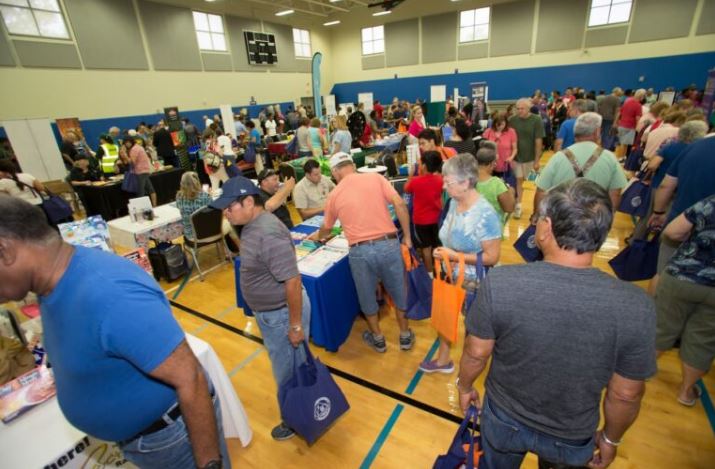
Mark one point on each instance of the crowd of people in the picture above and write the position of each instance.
(548, 368)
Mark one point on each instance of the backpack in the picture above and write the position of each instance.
(168, 261)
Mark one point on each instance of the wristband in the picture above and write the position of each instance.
(612, 443)
(296, 328)
(658, 212)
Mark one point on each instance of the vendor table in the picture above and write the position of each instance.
(278, 148)
(109, 201)
(44, 438)
(333, 299)
(165, 226)
(389, 143)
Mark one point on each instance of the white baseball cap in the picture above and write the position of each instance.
(339, 158)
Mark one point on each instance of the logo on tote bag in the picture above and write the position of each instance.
(321, 409)
(531, 242)
(636, 201)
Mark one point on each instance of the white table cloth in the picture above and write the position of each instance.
(43, 438)
(165, 226)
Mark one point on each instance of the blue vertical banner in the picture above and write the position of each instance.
(317, 100)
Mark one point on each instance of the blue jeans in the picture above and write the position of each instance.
(274, 327)
(378, 261)
(607, 140)
(505, 442)
(170, 447)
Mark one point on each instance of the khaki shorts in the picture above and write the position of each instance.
(522, 170)
(686, 311)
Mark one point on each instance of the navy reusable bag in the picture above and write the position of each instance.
(131, 182)
(526, 245)
(639, 260)
(419, 288)
(292, 146)
(311, 400)
(636, 199)
(468, 434)
(634, 160)
(56, 209)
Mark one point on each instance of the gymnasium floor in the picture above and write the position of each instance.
(400, 417)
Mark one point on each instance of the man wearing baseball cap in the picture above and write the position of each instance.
(269, 280)
(360, 203)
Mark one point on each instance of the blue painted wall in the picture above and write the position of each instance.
(678, 71)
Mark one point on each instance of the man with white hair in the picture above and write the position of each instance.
(530, 141)
(585, 158)
(626, 120)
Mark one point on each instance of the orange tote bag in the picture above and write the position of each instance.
(447, 299)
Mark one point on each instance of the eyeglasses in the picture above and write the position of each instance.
(450, 183)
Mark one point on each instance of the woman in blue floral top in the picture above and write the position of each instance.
(470, 227)
(191, 198)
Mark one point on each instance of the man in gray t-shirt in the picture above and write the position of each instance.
(269, 280)
(568, 332)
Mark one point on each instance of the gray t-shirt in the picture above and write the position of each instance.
(267, 261)
(608, 106)
(560, 336)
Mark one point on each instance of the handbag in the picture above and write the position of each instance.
(635, 199)
(419, 286)
(212, 160)
(464, 452)
(250, 155)
(56, 209)
(310, 400)
(634, 160)
(447, 299)
(130, 183)
(526, 245)
(292, 146)
(638, 260)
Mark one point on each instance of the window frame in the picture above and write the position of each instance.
(475, 25)
(60, 11)
(608, 22)
(296, 43)
(372, 40)
(210, 32)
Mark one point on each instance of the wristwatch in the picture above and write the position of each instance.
(213, 464)
(296, 328)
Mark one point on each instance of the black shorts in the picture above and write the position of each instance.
(427, 236)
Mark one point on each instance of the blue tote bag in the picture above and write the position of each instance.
(467, 436)
(419, 286)
(310, 400)
(634, 160)
(636, 199)
(639, 260)
(526, 245)
(130, 183)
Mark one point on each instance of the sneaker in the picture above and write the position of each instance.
(433, 367)
(517, 211)
(406, 343)
(377, 344)
(282, 432)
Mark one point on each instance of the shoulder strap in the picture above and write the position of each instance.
(572, 159)
(591, 161)
(580, 172)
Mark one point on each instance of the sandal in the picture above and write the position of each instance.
(692, 402)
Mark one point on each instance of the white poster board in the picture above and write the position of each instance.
(667, 97)
(35, 147)
(229, 126)
(366, 100)
(330, 105)
(438, 93)
(413, 154)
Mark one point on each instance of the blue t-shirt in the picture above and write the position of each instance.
(694, 261)
(342, 138)
(669, 152)
(255, 136)
(107, 324)
(464, 232)
(695, 170)
(566, 133)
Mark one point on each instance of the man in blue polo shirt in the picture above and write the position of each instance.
(565, 138)
(123, 369)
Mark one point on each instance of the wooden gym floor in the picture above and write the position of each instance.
(400, 417)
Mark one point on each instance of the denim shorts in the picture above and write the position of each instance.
(170, 447)
(378, 261)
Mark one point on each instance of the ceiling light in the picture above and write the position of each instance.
(334, 1)
(285, 12)
(330, 23)
(381, 13)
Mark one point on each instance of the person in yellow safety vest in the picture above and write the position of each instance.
(108, 154)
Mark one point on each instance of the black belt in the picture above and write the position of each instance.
(161, 423)
(375, 240)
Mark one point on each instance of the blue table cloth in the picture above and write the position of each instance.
(333, 300)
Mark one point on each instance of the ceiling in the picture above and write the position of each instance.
(316, 12)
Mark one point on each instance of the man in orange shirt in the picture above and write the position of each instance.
(360, 203)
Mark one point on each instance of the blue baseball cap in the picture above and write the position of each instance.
(234, 188)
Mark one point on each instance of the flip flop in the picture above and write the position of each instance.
(692, 402)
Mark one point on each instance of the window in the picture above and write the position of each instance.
(301, 43)
(42, 18)
(609, 12)
(474, 25)
(373, 40)
(209, 31)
